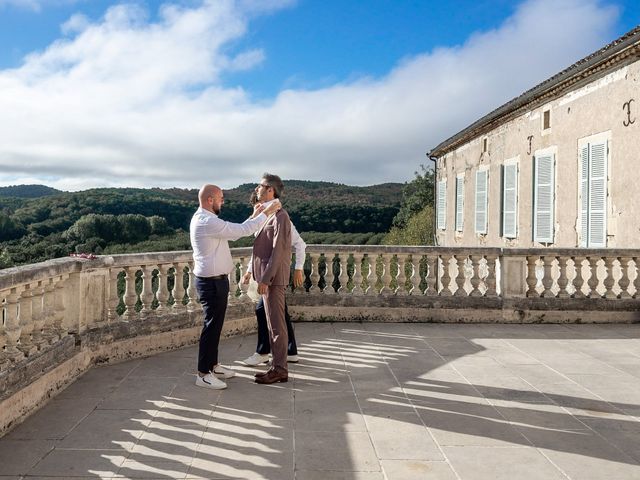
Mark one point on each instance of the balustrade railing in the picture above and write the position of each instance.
(43, 303)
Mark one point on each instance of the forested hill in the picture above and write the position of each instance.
(27, 191)
(127, 219)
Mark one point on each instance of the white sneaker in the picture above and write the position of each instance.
(256, 359)
(293, 359)
(209, 381)
(224, 371)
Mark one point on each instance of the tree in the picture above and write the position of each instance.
(418, 230)
(416, 195)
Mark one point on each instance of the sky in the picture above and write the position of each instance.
(176, 93)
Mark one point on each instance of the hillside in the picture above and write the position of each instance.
(130, 219)
(27, 191)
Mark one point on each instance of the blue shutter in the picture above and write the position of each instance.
(544, 199)
(481, 201)
(598, 195)
(584, 196)
(442, 204)
(510, 201)
(459, 203)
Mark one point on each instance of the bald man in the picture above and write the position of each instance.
(212, 264)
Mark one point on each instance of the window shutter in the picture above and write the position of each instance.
(584, 194)
(442, 204)
(459, 203)
(544, 191)
(481, 201)
(598, 195)
(510, 201)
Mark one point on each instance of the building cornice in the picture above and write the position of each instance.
(618, 53)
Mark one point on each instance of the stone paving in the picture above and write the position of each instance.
(366, 401)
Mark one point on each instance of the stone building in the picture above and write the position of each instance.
(557, 166)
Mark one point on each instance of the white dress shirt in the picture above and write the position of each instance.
(209, 239)
(298, 246)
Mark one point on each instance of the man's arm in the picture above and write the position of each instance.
(224, 230)
(300, 248)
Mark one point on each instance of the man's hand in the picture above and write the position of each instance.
(257, 210)
(245, 278)
(273, 207)
(262, 288)
(298, 278)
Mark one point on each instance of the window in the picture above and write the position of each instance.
(459, 202)
(442, 204)
(544, 197)
(510, 200)
(546, 119)
(482, 180)
(593, 194)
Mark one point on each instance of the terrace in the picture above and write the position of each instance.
(104, 348)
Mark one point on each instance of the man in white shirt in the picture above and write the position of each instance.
(212, 264)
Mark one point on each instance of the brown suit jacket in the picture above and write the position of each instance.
(272, 251)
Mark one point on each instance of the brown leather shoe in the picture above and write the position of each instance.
(261, 374)
(274, 375)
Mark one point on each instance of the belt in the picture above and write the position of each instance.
(215, 277)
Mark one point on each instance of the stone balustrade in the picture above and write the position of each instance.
(119, 306)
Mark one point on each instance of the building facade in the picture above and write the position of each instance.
(557, 166)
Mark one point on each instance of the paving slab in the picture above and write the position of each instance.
(366, 402)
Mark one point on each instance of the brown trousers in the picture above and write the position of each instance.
(278, 338)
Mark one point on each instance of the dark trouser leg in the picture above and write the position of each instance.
(292, 349)
(263, 347)
(274, 307)
(213, 295)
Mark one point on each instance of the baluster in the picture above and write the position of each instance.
(563, 279)
(12, 330)
(636, 281)
(37, 306)
(547, 279)
(114, 299)
(243, 288)
(314, 276)
(357, 275)
(130, 296)
(372, 275)
(532, 280)
(330, 275)
(609, 280)
(48, 311)
(578, 282)
(386, 277)
(475, 276)
(415, 275)
(193, 304)
(178, 288)
(593, 278)
(59, 307)
(460, 279)
(27, 346)
(446, 278)
(624, 280)
(146, 298)
(343, 276)
(490, 281)
(233, 284)
(163, 289)
(4, 361)
(401, 279)
(431, 275)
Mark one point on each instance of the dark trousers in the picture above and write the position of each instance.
(213, 295)
(264, 346)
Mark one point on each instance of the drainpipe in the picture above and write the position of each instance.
(435, 197)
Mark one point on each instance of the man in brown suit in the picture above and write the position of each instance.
(271, 268)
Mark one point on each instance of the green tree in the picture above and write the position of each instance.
(416, 195)
(418, 230)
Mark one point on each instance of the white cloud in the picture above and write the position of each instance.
(35, 5)
(127, 102)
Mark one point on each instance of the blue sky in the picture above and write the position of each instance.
(149, 93)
